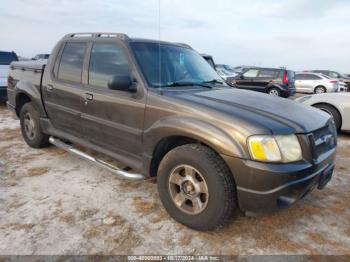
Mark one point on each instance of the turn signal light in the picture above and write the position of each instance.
(10, 82)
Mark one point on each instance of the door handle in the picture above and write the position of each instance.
(89, 96)
(49, 87)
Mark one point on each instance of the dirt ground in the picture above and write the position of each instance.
(54, 203)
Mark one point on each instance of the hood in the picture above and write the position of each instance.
(279, 115)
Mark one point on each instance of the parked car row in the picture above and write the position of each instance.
(269, 80)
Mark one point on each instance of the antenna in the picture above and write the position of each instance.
(159, 54)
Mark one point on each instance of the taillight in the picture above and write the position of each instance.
(10, 82)
(285, 78)
(334, 81)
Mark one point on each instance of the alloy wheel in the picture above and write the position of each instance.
(188, 189)
(29, 126)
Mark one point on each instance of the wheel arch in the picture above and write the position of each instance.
(318, 87)
(170, 134)
(334, 107)
(21, 99)
(27, 92)
(269, 87)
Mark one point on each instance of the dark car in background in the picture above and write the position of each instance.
(335, 75)
(273, 81)
(5, 60)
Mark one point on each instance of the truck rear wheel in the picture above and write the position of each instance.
(196, 187)
(30, 127)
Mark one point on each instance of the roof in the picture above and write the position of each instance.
(124, 37)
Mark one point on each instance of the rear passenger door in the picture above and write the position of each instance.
(113, 119)
(62, 96)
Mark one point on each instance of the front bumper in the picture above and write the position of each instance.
(265, 187)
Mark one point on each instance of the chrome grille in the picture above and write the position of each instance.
(323, 140)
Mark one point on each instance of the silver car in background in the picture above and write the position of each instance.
(306, 82)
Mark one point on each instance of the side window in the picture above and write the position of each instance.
(299, 77)
(251, 73)
(265, 73)
(106, 61)
(71, 64)
(314, 77)
(333, 75)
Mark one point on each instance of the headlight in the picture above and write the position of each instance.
(282, 148)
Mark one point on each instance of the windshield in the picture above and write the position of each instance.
(164, 65)
(7, 57)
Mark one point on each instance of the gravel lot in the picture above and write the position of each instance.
(54, 203)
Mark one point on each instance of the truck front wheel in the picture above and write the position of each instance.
(30, 127)
(196, 187)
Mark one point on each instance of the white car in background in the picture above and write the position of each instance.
(5, 60)
(335, 104)
(306, 82)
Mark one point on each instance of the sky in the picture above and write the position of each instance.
(298, 34)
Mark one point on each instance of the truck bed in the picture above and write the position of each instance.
(28, 70)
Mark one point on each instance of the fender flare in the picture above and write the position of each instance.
(204, 132)
(273, 85)
(26, 88)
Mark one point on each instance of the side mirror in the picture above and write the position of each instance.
(121, 83)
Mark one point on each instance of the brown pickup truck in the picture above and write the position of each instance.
(161, 109)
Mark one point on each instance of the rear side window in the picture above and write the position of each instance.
(314, 77)
(7, 57)
(334, 75)
(299, 77)
(267, 73)
(71, 64)
(106, 61)
(306, 77)
(251, 73)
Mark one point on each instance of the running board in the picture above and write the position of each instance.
(115, 170)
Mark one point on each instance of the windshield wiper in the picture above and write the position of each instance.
(214, 81)
(174, 84)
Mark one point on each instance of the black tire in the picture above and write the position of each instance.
(274, 91)
(222, 199)
(333, 112)
(320, 90)
(33, 136)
